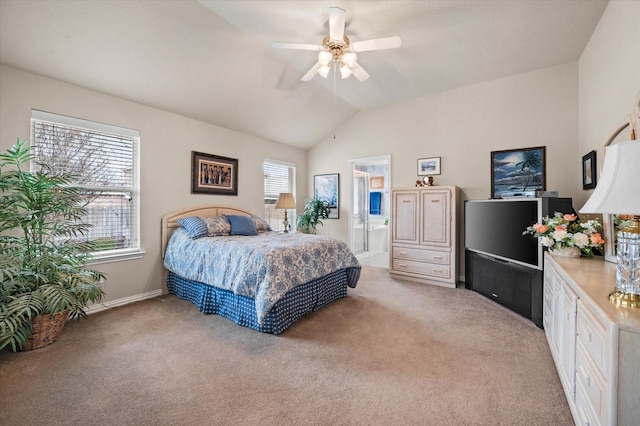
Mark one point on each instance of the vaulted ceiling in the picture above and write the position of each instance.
(212, 60)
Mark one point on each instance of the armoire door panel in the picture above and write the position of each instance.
(405, 218)
(436, 218)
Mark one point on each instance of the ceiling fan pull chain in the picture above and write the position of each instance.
(335, 66)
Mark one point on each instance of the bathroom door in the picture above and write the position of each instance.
(360, 219)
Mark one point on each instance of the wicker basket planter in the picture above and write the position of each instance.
(45, 329)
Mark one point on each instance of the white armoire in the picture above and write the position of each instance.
(423, 235)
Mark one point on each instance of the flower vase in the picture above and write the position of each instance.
(566, 251)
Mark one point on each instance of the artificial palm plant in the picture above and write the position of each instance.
(315, 210)
(43, 255)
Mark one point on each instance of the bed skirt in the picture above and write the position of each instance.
(298, 302)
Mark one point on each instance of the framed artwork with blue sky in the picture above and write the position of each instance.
(518, 172)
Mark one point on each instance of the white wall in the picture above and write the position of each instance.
(166, 144)
(463, 126)
(609, 71)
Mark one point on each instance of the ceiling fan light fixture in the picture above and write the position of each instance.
(345, 71)
(324, 57)
(349, 58)
(337, 47)
(324, 71)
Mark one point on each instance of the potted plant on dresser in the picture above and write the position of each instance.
(44, 279)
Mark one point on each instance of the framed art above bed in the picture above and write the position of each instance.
(213, 174)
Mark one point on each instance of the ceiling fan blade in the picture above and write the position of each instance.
(359, 72)
(299, 46)
(312, 72)
(392, 42)
(336, 23)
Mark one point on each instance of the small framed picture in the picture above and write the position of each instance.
(376, 182)
(589, 170)
(429, 166)
(212, 174)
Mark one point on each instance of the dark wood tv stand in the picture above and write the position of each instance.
(516, 287)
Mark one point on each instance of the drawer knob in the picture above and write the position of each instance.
(437, 270)
(437, 257)
(403, 252)
(402, 265)
(589, 336)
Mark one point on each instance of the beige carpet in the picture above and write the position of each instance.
(391, 353)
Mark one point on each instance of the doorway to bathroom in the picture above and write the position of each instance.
(369, 209)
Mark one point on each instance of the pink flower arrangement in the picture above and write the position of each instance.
(566, 230)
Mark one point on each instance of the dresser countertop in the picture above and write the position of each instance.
(595, 279)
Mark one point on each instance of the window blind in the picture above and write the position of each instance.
(104, 162)
(278, 177)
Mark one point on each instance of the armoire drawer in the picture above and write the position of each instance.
(421, 255)
(430, 269)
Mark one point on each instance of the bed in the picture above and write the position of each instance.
(265, 281)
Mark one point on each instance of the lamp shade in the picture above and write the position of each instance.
(285, 201)
(618, 191)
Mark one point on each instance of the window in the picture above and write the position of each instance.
(278, 177)
(104, 160)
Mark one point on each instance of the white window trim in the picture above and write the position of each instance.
(294, 166)
(110, 255)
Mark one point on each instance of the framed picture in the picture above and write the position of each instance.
(429, 166)
(518, 172)
(327, 188)
(376, 182)
(589, 170)
(212, 174)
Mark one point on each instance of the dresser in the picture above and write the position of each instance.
(595, 345)
(423, 234)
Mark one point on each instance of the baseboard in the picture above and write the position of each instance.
(98, 307)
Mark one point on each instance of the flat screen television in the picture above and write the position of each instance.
(494, 228)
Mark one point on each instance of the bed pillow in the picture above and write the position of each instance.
(242, 225)
(217, 226)
(261, 224)
(195, 227)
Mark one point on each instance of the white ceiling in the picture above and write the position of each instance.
(212, 60)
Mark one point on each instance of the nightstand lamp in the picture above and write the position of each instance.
(285, 201)
(618, 192)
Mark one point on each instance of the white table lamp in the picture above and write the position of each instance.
(618, 192)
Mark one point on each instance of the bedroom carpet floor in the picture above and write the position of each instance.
(391, 353)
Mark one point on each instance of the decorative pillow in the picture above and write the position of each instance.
(242, 225)
(261, 224)
(217, 226)
(195, 227)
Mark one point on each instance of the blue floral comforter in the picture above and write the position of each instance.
(264, 267)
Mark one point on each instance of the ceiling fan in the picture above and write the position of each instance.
(337, 49)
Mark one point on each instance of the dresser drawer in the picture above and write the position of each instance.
(585, 414)
(431, 256)
(433, 270)
(590, 383)
(592, 336)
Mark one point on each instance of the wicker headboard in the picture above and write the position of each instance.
(170, 220)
